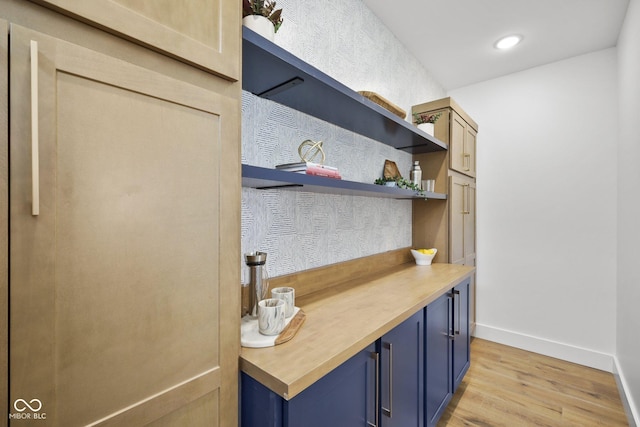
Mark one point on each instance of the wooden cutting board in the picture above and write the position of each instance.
(292, 328)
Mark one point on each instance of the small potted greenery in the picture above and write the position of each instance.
(426, 121)
(388, 181)
(262, 17)
(400, 183)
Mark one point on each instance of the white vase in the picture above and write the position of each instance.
(260, 25)
(427, 127)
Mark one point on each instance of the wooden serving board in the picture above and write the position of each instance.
(384, 103)
(290, 330)
(250, 336)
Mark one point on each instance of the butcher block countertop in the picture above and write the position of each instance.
(344, 319)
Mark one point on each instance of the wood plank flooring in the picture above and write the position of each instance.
(506, 386)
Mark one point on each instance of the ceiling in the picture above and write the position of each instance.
(454, 39)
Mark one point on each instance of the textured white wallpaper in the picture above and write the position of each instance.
(301, 230)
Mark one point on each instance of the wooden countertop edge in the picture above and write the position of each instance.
(270, 366)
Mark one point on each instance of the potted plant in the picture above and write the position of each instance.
(388, 181)
(399, 182)
(426, 121)
(262, 17)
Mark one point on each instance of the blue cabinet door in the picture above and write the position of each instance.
(402, 374)
(259, 406)
(461, 342)
(345, 397)
(438, 358)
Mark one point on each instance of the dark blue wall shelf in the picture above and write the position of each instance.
(273, 73)
(265, 178)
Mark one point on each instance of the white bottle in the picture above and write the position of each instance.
(416, 174)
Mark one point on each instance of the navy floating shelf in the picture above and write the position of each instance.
(273, 73)
(265, 178)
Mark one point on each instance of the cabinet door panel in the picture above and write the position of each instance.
(469, 226)
(438, 345)
(456, 145)
(457, 203)
(402, 385)
(343, 398)
(260, 407)
(461, 353)
(114, 285)
(470, 151)
(472, 305)
(462, 220)
(205, 33)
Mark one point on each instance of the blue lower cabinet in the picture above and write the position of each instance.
(447, 349)
(259, 405)
(402, 377)
(405, 379)
(461, 342)
(438, 358)
(346, 397)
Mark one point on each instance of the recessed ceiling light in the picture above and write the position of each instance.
(508, 42)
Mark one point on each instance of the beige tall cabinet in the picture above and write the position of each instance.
(450, 225)
(124, 214)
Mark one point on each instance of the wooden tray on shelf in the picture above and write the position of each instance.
(384, 103)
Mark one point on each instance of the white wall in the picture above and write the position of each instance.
(546, 188)
(628, 342)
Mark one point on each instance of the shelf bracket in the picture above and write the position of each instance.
(281, 87)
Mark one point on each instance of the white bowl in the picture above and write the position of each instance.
(423, 259)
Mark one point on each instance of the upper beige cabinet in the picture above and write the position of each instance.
(462, 145)
(456, 128)
(204, 33)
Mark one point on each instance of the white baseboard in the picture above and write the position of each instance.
(581, 356)
(629, 405)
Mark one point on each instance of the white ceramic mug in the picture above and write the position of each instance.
(288, 295)
(271, 316)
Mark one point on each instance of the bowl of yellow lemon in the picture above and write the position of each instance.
(424, 256)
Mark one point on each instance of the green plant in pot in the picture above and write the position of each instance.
(426, 121)
(388, 181)
(399, 182)
(262, 17)
(420, 118)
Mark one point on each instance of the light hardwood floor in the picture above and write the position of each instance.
(506, 386)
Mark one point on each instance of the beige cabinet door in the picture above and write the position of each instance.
(469, 163)
(458, 130)
(457, 203)
(462, 230)
(469, 219)
(462, 147)
(205, 33)
(124, 307)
